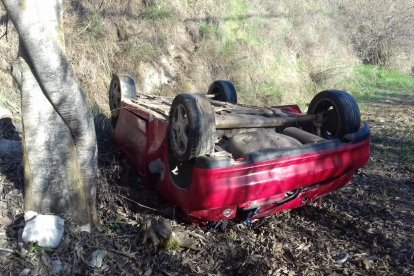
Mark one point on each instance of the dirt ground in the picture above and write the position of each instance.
(363, 229)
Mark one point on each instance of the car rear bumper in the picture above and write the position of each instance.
(221, 189)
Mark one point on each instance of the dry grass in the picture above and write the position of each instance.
(274, 53)
(381, 31)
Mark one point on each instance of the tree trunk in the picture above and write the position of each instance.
(59, 143)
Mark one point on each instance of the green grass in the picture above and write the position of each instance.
(157, 12)
(209, 30)
(93, 28)
(369, 81)
(145, 52)
(393, 89)
(172, 245)
(264, 72)
(238, 29)
(232, 239)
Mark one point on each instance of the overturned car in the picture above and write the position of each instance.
(217, 160)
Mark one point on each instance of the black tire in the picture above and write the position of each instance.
(191, 128)
(223, 91)
(338, 113)
(122, 87)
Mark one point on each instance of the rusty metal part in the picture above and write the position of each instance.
(243, 144)
(254, 121)
(303, 136)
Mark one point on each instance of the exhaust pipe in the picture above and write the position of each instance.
(303, 136)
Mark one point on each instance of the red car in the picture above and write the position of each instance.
(217, 160)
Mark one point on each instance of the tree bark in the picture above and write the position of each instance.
(59, 143)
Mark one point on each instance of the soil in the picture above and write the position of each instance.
(363, 229)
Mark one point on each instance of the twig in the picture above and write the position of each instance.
(195, 235)
(139, 204)
(12, 105)
(100, 5)
(389, 211)
(7, 250)
(111, 152)
(117, 236)
(85, 28)
(126, 254)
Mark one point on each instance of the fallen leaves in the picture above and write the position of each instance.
(363, 229)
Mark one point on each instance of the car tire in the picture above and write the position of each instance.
(224, 91)
(338, 113)
(122, 87)
(191, 128)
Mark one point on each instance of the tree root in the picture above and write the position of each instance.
(157, 233)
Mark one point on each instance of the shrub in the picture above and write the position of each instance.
(379, 30)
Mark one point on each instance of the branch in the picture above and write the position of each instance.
(100, 5)
(139, 204)
(7, 250)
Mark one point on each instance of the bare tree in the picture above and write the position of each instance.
(380, 30)
(59, 143)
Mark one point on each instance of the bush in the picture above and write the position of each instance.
(380, 30)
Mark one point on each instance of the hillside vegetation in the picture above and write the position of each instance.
(281, 52)
(275, 52)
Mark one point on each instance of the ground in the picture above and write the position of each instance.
(365, 228)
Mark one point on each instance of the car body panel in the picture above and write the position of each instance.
(265, 183)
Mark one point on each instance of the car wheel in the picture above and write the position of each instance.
(337, 114)
(223, 91)
(191, 127)
(122, 87)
